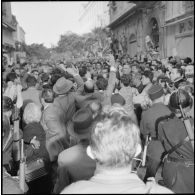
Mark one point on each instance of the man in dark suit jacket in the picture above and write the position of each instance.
(74, 163)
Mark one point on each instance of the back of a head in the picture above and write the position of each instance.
(114, 139)
(11, 77)
(48, 95)
(187, 60)
(102, 84)
(82, 71)
(54, 78)
(31, 81)
(148, 74)
(32, 113)
(45, 77)
(89, 86)
(7, 104)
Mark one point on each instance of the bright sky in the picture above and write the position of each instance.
(44, 22)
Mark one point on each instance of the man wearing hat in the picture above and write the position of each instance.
(66, 98)
(73, 163)
(147, 128)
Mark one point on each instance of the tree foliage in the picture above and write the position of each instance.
(38, 51)
(71, 46)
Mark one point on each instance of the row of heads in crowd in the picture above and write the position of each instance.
(165, 70)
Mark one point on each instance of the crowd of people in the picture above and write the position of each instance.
(84, 124)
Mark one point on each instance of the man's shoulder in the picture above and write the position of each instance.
(72, 152)
(158, 107)
(77, 187)
(172, 123)
(157, 189)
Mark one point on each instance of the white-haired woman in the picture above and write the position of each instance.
(33, 130)
(36, 156)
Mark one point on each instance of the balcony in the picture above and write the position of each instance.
(9, 25)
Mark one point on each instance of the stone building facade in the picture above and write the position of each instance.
(168, 23)
(9, 25)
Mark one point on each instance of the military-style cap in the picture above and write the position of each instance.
(156, 91)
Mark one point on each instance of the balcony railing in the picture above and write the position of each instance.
(11, 25)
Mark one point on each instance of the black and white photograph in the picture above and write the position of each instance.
(97, 97)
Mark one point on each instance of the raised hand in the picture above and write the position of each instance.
(73, 71)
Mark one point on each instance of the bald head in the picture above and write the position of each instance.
(89, 86)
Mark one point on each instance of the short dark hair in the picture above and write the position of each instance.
(54, 78)
(48, 95)
(31, 81)
(44, 77)
(87, 89)
(11, 77)
(126, 80)
(82, 72)
(148, 74)
(187, 60)
(101, 83)
(35, 70)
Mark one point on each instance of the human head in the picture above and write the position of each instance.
(47, 96)
(136, 80)
(180, 97)
(89, 86)
(98, 66)
(31, 81)
(11, 77)
(126, 69)
(175, 73)
(54, 78)
(189, 73)
(126, 80)
(7, 106)
(134, 69)
(163, 80)
(101, 84)
(187, 60)
(147, 77)
(45, 78)
(82, 124)
(114, 139)
(35, 73)
(32, 113)
(105, 73)
(62, 86)
(156, 93)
